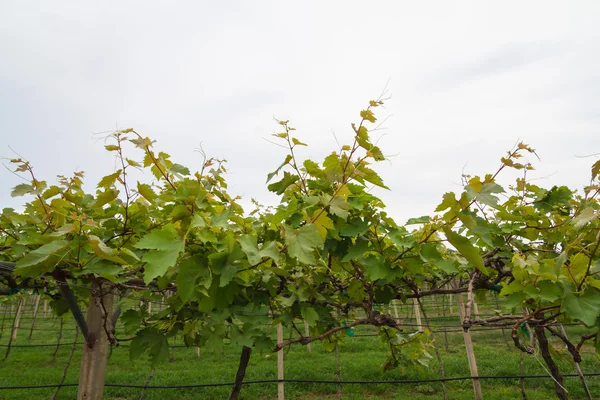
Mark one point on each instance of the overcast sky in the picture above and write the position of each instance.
(467, 80)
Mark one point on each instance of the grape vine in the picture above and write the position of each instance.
(326, 254)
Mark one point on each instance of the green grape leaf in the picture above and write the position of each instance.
(302, 242)
(227, 275)
(38, 258)
(368, 115)
(309, 314)
(264, 344)
(270, 176)
(376, 267)
(313, 169)
(514, 300)
(109, 180)
(333, 169)
(549, 291)
(106, 197)
(421, 220)
(297, 142)
(104, 268)
(164, 239)
(430, 253)
(206, 236)
(448, 266)
(372, 177)
(376, 153)
(22, 189)
(158, 263)
(322, 221)
(587, 215)
(339, 206)
(250, 247)
(401, 238)
(448, 201)
(51, 192)
(355, 227)
(578, 267)
(269, 249)
(241, 338)
(226, 264)
(280, 187)
(513, 287)
(152, 341)
(358, 249)
(146, 191)
(557, 197)
(131, 320)
(485, 195)
(466, 249)
(287, 301)
(596, 170)
(103, 251)
(179, 169)
(189, 270)
(583, 307)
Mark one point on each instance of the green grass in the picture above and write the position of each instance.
(360, 359)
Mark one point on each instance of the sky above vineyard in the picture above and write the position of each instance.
(467, 81)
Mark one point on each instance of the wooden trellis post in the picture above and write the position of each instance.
(470, 352)
(17, 320)
(307, 333)
(396, 316)
(280, 385)
(36, 307)
(417, 314)
(93, 362)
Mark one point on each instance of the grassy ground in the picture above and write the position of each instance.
(360, 359)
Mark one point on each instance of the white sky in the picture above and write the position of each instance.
(468, 79)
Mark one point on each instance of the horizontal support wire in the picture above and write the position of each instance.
(331, 382)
